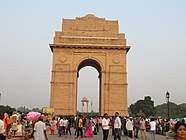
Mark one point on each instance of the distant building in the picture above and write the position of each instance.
(84, 105)
(47, 110)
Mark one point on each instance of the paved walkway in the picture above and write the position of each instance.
(99, 137)
(96, 137)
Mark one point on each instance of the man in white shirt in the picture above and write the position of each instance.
(105, 125)
(65, 123)
(129, 127)
(152, 128)
(117, 127)
(40, 130)
(61, 127)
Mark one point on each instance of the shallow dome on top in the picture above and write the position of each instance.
(84, 99)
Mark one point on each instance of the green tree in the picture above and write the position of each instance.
(183, 109)
(37, 110)
(6, 109)
(145, 107)
(23, 109)
(175, 110)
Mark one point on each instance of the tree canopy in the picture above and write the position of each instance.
(146, 108)
(175, 111)
(6, 109)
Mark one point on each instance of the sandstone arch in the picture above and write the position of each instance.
(94, 41)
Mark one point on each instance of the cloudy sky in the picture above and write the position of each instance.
(156, 30)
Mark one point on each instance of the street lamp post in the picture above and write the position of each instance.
(168, 97)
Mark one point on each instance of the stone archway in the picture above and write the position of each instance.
(94, 41)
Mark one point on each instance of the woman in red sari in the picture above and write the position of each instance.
(88, 131)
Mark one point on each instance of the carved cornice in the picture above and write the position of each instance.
(90, 46)
(118, 84)
(61, 83)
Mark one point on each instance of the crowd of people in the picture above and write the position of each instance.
(17, 125)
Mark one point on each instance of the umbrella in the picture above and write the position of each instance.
(33, 116)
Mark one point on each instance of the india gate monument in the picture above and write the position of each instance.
(89, 41)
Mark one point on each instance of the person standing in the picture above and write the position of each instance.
(40, 130)
(143, 129)
(65, 123)
(123, 126)
(7, 124)
(117, 127)
(129, 127)
(152, 128)
(69, 126)
(2, 131)
(100, 122)
(61, 127)
(14, 127)
(76, 120)
(105, 125)
(53, 126)
(94, 125)
(136, 123)
(80, 126)
(88, 130)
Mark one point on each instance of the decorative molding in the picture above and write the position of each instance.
(62, 59)
(115, 60)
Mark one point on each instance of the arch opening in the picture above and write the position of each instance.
(89, 85)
